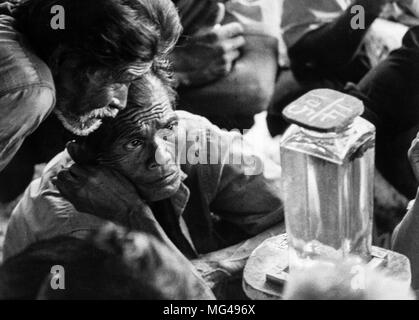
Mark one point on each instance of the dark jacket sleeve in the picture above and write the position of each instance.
(391, 90)
(333, 45)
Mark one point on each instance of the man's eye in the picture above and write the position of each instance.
(134, 144)
(172, 126)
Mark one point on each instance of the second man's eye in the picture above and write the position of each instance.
(172, 126)
(136, 143)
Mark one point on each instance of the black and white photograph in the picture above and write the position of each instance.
(232, 151)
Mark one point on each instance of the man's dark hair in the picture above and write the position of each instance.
(107, 265)
(106, 33)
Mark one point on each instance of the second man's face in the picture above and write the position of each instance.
(85, 96)
(146, 136)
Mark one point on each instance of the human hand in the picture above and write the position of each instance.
(208, 55)
(100, 191)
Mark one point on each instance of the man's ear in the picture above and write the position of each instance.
(80, 153)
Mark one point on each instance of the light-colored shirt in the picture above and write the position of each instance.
(27, 93)
(221, 196)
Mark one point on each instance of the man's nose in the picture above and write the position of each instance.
(120, 97)
(161, 157)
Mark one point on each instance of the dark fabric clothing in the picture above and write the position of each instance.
(166, 217)
(391, 90)
(391, 95)
(341, 55)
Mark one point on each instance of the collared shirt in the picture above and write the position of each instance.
(225, 196)
(27, 93)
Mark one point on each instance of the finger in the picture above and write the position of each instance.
(65, 176)
(80, 154)
(231, 56)
(65, 182)
(232, 44)
(228, 68)
(64, 189)
(221, 13)
(223, 70)
(78, 171)
(230, 30)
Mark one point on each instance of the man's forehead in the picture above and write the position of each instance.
(136, 122)
(158, 103)
(161, 112)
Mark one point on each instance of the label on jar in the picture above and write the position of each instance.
(324, 110)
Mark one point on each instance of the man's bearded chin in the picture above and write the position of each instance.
(85, 124)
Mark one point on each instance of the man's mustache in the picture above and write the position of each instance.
(105, 112)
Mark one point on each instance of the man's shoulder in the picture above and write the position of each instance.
(20, 67)
(41, 198)
(42, 213)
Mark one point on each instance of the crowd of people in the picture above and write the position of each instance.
(128, 105)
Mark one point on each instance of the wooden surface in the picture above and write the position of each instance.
(223, 270)
(273, 254)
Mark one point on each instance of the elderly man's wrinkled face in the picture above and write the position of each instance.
(87, 95)
(144, 137)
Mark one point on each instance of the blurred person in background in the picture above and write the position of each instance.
(325, 49)
(226, 60)
(109, 264)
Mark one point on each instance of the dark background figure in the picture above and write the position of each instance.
(391, 96)
(324, 49)
(226, 61)
(111, 264)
